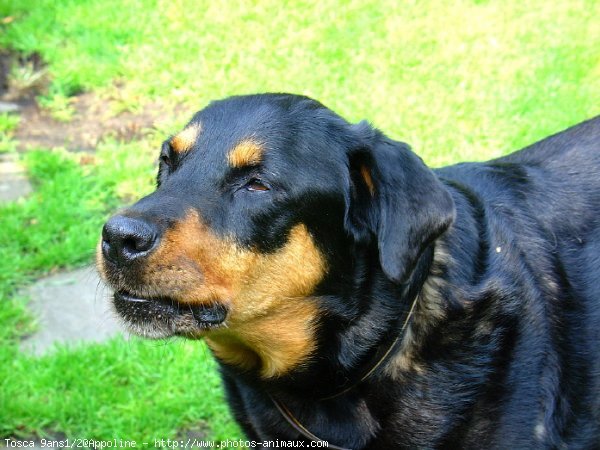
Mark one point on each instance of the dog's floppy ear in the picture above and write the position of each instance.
(396, 198)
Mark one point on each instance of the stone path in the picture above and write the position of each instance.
(70, 307)
(13, 180)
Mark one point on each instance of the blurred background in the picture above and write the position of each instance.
(89, 89)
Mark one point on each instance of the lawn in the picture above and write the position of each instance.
(464, 80)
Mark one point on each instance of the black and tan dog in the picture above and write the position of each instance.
(353, 295)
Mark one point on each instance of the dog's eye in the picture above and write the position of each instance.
(165, 159)
(256, 184)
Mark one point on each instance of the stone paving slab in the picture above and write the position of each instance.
(9, 107)
(69, 307)
(14, 183)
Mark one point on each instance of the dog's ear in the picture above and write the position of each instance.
(395, 198)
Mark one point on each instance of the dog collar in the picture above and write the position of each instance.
(297, 425)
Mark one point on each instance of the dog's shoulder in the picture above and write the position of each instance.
(554, 180)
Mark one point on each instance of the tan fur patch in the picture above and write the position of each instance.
(184, 140)
(366, 176)
(271, 315)
(276, 342)
(246, 153)
(100, 261)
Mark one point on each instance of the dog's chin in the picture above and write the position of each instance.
(159, 318)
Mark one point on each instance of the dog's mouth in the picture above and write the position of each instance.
(163, 317)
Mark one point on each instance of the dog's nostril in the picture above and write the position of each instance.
(138, 244)
(107, 250)
(125, 239)
(130, 245)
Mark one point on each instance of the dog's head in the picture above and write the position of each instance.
(259, 205)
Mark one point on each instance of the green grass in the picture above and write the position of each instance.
(58, 225)
(137, 390)
(59, 106)
(8, 124)
(457, 80)
(465, 79)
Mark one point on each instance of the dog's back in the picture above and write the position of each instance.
(567, 168)
(541, 209)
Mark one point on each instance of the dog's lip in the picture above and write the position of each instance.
(164, 308)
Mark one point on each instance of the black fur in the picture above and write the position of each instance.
(504, 345)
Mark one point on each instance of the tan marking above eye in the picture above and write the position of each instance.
(248, 152)
(272, 316)
(184, 140)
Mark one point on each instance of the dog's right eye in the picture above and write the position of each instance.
(257, 185)
(166, 159)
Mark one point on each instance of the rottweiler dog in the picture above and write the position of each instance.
(353, 295)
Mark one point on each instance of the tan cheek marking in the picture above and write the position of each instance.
(184, 140)
(185, 267)
(272, 317)
(275, 343)
(366, 175)
(273, 313)
(246, 153)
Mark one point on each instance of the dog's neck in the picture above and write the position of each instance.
(385, 330)
(375, 333)
(384, 353)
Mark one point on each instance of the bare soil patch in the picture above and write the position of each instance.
(92, 121)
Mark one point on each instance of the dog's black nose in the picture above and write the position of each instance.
(125, 239)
